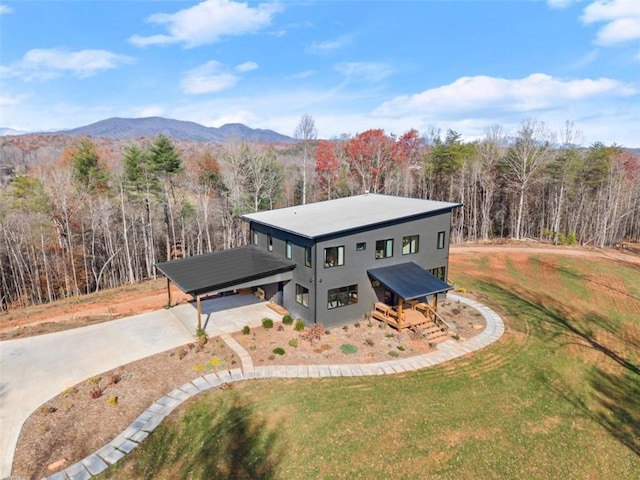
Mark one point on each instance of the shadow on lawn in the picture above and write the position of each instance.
(219, 439)
(614, 402)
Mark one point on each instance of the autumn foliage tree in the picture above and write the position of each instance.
(327, 168)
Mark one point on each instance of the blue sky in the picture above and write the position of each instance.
(351, 65)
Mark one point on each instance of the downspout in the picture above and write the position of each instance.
(315, 280)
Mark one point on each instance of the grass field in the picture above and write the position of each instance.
(558, 397)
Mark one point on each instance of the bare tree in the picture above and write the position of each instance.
(524, 159)
(305, 132)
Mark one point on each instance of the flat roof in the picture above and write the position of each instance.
(409, 280)
(315, 220)
(222, 270)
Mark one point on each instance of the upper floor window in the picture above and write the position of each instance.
(307, 256)
(333, 256)
(440, 240)
(384, 248)
(270, 243)
(361, 246)
(289, 250)
(410, 244)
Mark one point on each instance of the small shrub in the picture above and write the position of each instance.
(246, 330)
(348, 349)
(313, 333)
(46, 409)
(267, 323)
(182, 352)
(462, 290)
(278, 351)
(96, 392)
(200, 333)
(456, 336)
(369, 342)
(70, 391)
(345, 327)
(214, 362)
(198, 367)
(327, 332)
(293, 342)
(112, 400)
(400, 347)
(456, 311)
(287, 319)
(95, 380)
(114, 378)
(280, 328)
(433, 344)
(390, 335)
(394, 354)
(357, 324)
(299, 326)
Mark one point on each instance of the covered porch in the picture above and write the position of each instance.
(409, 307)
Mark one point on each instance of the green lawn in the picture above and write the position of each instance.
(558, 397)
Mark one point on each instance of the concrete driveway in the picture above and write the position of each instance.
(35, 369)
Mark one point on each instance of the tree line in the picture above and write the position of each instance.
(96, 219)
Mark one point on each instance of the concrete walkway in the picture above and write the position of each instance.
(156, 413)
(35, 369)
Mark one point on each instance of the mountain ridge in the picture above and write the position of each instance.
(120, 127)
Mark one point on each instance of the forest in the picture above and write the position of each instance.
(100, 214)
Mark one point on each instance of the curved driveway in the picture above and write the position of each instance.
(35, 369)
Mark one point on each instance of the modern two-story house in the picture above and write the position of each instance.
(353, 252)
(338, 261)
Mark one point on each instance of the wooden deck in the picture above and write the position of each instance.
(413, 315)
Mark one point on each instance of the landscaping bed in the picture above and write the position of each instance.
(84, 418)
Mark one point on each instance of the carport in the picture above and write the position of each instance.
(235, 268)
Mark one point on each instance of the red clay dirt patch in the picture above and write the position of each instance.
(89, 309)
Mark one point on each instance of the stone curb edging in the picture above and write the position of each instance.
(153, 416)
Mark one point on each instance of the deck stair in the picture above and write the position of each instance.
(431, 332)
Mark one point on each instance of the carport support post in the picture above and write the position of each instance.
(169, 292)
(199, 308)
(400, 300)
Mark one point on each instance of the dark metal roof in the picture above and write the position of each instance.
(409, 280)
(222, 270)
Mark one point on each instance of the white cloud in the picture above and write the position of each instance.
(149, 111)
(527, 95)
(48, 63)
(208, 22)
(301, 75)
(246, 67)
(6, 100)
(208, 78)
(621, 19)
(4, 9)
(367, 72)
(330, 45)
(561, 3)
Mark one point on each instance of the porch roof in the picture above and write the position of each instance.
(409, 280)
(226, 269)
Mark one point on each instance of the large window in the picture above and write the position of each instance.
(440, 240)
(289, 250)
(333, 256)
(384, 248)
(340, 297)
(307, 256)
(410, 244)
(302, 295)
(270, 243)
(254, 237)
(438, 272)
